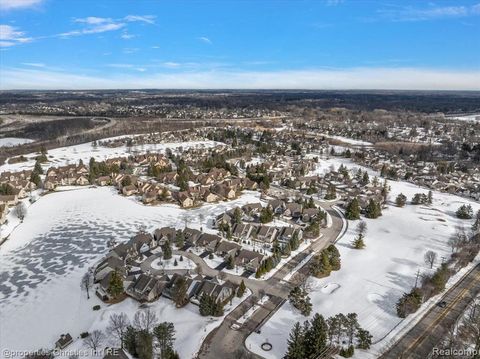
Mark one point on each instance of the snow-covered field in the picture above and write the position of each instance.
(372, 280)
(72, 154)
(13, 141)
(350, 141)
(469, 118)
(65, 233)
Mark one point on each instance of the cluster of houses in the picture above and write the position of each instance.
(426, 174)
(19, 186)
(69, 175)
(125, 258)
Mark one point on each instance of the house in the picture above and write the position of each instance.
(141, 243)
(191, 235)
(209, 241)
(8, 200)
(243, 231)
(252, 209)
(249, 260)
(184, 199)
(102, 291)
(309, 214)
(103, 181)
(219, 292)
(227, 249)
(277, 206)
(267, 234)
(109, 264)
(210, 197)
(293, 210)
(129, 190)
(147, 288)
(191, 284)
(221, 219)
(223, 190)
(64, 341)
(161, 235)
(287, 234)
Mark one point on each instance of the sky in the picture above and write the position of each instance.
(240, 44)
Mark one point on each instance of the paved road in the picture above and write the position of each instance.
(225, 342)
(432, 328)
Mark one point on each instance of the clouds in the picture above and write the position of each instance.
(18, 4)
(350, 78)
(429, 13)
(96, 25)
(205, 40)
(11, 36)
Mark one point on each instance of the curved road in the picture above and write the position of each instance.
(225, 342)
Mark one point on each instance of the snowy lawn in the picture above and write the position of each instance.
(190, 327)
(64, 234)
(72, 154)
(372, 280)
(13, 141)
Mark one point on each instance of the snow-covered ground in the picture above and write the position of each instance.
(469, 118)
(185, 263)
(190, 327)
(372, 280)
(350, 141)
(72, 154)
(13, 141)
(65, 233)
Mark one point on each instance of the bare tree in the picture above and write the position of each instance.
(21, 210)
(145, 320)
(86, 282)
(362, 228)
(118, 325)
(95, 339)
(469, 329)
(430, 258)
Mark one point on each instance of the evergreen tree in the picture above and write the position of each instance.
(237, 215)
(373, 209)
(179, 239)
(144, 344)
(115, 286)
(38, 168)
(320, 266)
(352, 211)
(179, 292)
(175, 263)
(333, 257)
(299, 299)
(230, 262)
(294, 241)
(465, 212)
(35, 178)
(286, 250)
(241, 289)
(165, 335)
(316, 336)
(364, 339)
(296, 347)
(331, 192)
(401, 200)
(167, 250)
(365, 179)
(129, 340)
